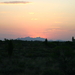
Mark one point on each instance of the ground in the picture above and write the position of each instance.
(37, 58)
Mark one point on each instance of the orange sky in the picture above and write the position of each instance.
(47, 19)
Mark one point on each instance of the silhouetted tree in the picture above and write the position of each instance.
(5, 39)
(10, 48)
(46, 41)
(73, 40)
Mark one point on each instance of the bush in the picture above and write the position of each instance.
(10, 48)
(46, 42)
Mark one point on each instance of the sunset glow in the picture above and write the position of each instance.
(47, 19)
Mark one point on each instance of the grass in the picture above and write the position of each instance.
(37, 58)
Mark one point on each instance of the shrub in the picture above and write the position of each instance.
(10, 48)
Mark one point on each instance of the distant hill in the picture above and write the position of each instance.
(32, 39)
(36, 39)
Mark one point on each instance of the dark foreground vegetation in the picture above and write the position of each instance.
(37, 58)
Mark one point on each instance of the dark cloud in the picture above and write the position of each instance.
(15, 2)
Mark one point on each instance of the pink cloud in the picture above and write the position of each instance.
(15, 2)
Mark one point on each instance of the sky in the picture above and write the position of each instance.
(51, 19)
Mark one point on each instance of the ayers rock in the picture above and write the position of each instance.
(32, 39)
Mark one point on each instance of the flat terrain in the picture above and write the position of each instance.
(37, 58)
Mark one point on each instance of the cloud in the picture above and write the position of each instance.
(58, 22)
(56, 29)
(3, 12)
(31, 13)
(15, 2)
(52, 29)
(34, 19)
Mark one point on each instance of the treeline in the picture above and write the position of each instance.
(11, 45)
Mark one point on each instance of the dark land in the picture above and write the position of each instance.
(37, 57)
